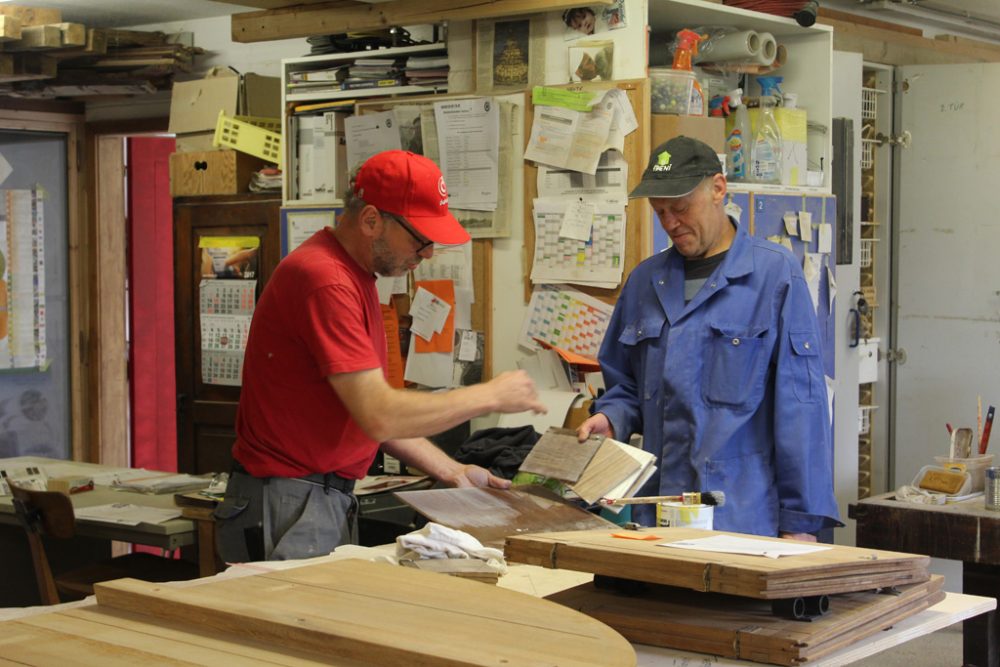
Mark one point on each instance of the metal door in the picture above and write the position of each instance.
(946, 278)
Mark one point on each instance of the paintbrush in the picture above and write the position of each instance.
(717, 498)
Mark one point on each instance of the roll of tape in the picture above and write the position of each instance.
(768, 49)
(743, 45)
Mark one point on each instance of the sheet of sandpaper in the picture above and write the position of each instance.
(560, 455)
(491, 515)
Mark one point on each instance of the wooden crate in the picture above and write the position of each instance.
(223, 172)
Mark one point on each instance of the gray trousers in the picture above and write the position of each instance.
(280, 518)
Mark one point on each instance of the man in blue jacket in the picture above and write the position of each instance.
(713, 354)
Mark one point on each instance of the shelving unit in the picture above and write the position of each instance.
(289, 100)
(807, 70)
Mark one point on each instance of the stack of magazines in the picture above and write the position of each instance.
(427, 70)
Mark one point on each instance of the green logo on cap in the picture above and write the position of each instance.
(662, 162)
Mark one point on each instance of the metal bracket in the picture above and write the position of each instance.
(903, 140)
(897, 356)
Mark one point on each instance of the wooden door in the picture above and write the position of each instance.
(206, 413)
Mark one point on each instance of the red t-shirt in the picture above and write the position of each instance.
(318, 316)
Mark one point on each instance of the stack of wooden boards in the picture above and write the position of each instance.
(347, 612)
(732, 617)
(41, 56)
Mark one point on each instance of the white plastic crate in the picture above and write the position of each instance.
(867, 250)
(869, 102)
(865, 419)
(868, 153)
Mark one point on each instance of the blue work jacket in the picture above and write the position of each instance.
(727, 390)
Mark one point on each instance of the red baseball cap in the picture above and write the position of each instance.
(412, 187)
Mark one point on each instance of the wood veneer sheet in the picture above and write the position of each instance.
(560, 455)
(490, 515)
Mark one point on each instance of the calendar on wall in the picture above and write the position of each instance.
(226, 308)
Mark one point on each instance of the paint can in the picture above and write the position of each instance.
(992, 491)
(679, 515)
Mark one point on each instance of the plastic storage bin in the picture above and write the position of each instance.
(671, 90)
(975, 466)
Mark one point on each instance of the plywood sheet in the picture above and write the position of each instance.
(839, 569)
(560, 455)
(379, 614)
(490, 515)
(606, 471)
(744, 628)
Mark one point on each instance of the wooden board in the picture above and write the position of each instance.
(490, 515)
(839, 569)
(735, 627)
(560, 455)
(606, 471)
(363, 613)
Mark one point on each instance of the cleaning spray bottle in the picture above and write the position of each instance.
(738, 140)
(687, 47)
(765, 153)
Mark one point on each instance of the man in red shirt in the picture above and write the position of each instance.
(315, 405)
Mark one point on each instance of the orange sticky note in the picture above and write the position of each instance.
(636, 536)
(444, 341)
(394, 370)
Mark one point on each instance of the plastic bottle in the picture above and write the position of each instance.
(738, 140)
(687, 46)
(765, 152)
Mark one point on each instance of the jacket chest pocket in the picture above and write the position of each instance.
(639, 339)
(735, 361)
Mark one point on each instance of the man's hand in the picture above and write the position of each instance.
(515, 391)
(801, 537)
(471, 475)
(595, 425)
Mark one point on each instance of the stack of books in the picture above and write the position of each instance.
(371, 73)
(427, 70)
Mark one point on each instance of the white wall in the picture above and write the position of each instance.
(847, 78)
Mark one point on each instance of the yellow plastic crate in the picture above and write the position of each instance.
(260, 137)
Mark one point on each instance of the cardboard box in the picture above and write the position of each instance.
(710, 130)
(195, 105)
(222, 172)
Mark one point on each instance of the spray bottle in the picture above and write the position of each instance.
(765, 154)
(687, 47)
(738, 140)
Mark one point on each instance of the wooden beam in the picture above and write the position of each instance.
(892, 47)
(31, 15)
(340, 16)
(31, 66)
(859, 19)
(73, 34)
(36, 37)
(10, 28)
(119, 38)
(270, 4)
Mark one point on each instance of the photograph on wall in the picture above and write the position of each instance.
(591, 61)
(584, 21)
(510, 53)
(229, 257)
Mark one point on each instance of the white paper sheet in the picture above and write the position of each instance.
(431, 369)
(126, 514)
(566, 318)
(558, 404)
(611, 178)
(468, 134)
(370, 134)
(386, 286)
(570, 139)
(303, 224)
(596, 261)
(448, 263)
(429, 314)
(806, 226)
(825, 243)
(812, 269)
(746, 545)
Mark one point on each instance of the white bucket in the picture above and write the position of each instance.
(679, 515)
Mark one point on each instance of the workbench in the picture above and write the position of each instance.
(540, 582)
(963, 531)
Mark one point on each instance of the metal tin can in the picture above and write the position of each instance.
(993, 488)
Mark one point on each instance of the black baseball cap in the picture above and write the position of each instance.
(676, 167)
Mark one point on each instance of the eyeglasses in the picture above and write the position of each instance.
(423, 244)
